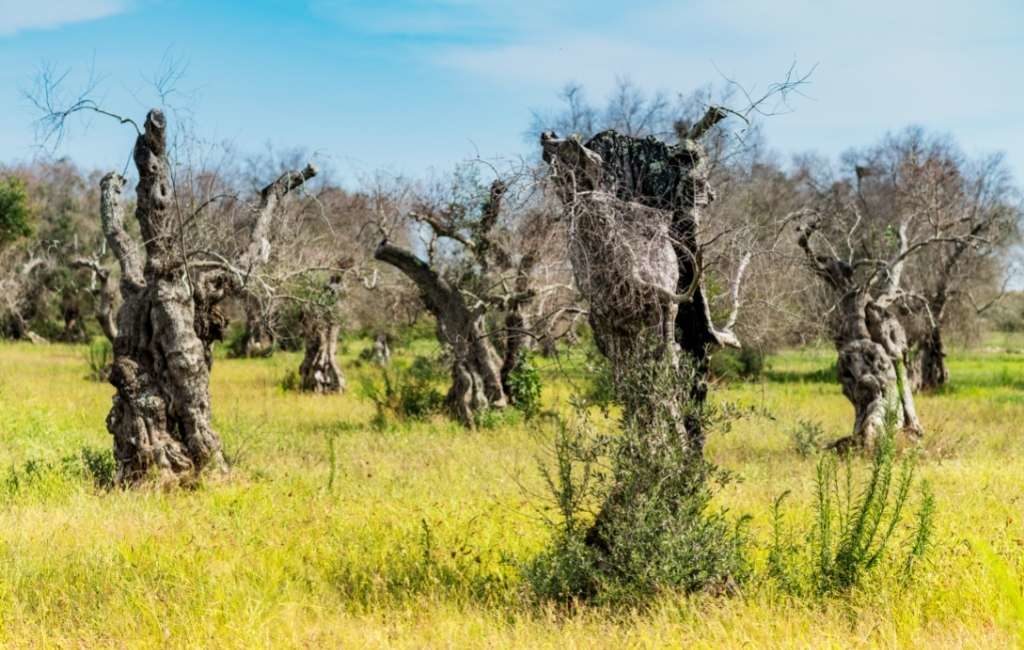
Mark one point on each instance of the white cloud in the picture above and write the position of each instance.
(21, 15)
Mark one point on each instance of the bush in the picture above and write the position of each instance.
(100, 357)
(734, 365)
(655, 528)
(854, 524)
(403, 394)
(524, 387)
(15, 215)
(50, 479)
(292, 381)
(100, 466)
(807, 437)
(235, 340)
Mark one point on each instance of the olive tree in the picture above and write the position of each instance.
(476, 277)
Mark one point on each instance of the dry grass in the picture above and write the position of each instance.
(418, 541)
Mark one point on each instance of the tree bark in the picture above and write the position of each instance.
(635, 207)
(476, 366)
(259, 339)
(319, 371)
(160, 418)
(871, 344)
(930, 357)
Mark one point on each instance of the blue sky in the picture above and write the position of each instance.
(407, 85)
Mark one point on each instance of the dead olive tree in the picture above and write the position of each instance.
(319, 247)
(470, 275)
(168, 319)
(974, 202)
(634, 208)
(868, 336)
(885, 238)
(319, 371)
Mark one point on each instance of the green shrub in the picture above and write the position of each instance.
(735, 365)
(807, 437)
(292, 381)
(403, 394)
(854, 524)
(235, 340)
(100, 466)
(50, 479)
(524, 387)
(15, 216)
(100, 357)
(655, 528)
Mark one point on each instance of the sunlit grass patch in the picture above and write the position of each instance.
(418, 538)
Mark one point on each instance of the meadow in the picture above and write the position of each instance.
(332, 533)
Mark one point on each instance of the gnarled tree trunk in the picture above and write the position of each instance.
(319, 370)
(160, 418)
(476, 366)
(872, 346)
(168, 321)
(634, 206)
(259, 339)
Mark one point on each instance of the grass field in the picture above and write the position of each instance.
(413, 539)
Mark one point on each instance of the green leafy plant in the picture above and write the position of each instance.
(525, 387)
(100, 466)
(15, 217)
(403, 394)
(854, 523)
(735, 365)
(291, 381)
(100, 357)
(807, 437)
(632, 509)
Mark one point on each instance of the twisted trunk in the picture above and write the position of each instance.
(160, 417)
(871, 345)
(259, 339)
(319, 370)
(476, 366)
(872, 369)
(635, 207)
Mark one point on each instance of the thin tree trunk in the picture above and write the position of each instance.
(259, 340)
(931, 357)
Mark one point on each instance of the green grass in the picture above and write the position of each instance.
(418, 540)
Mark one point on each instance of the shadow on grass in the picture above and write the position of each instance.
(816, 376)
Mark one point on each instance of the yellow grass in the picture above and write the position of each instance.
(417, 543)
